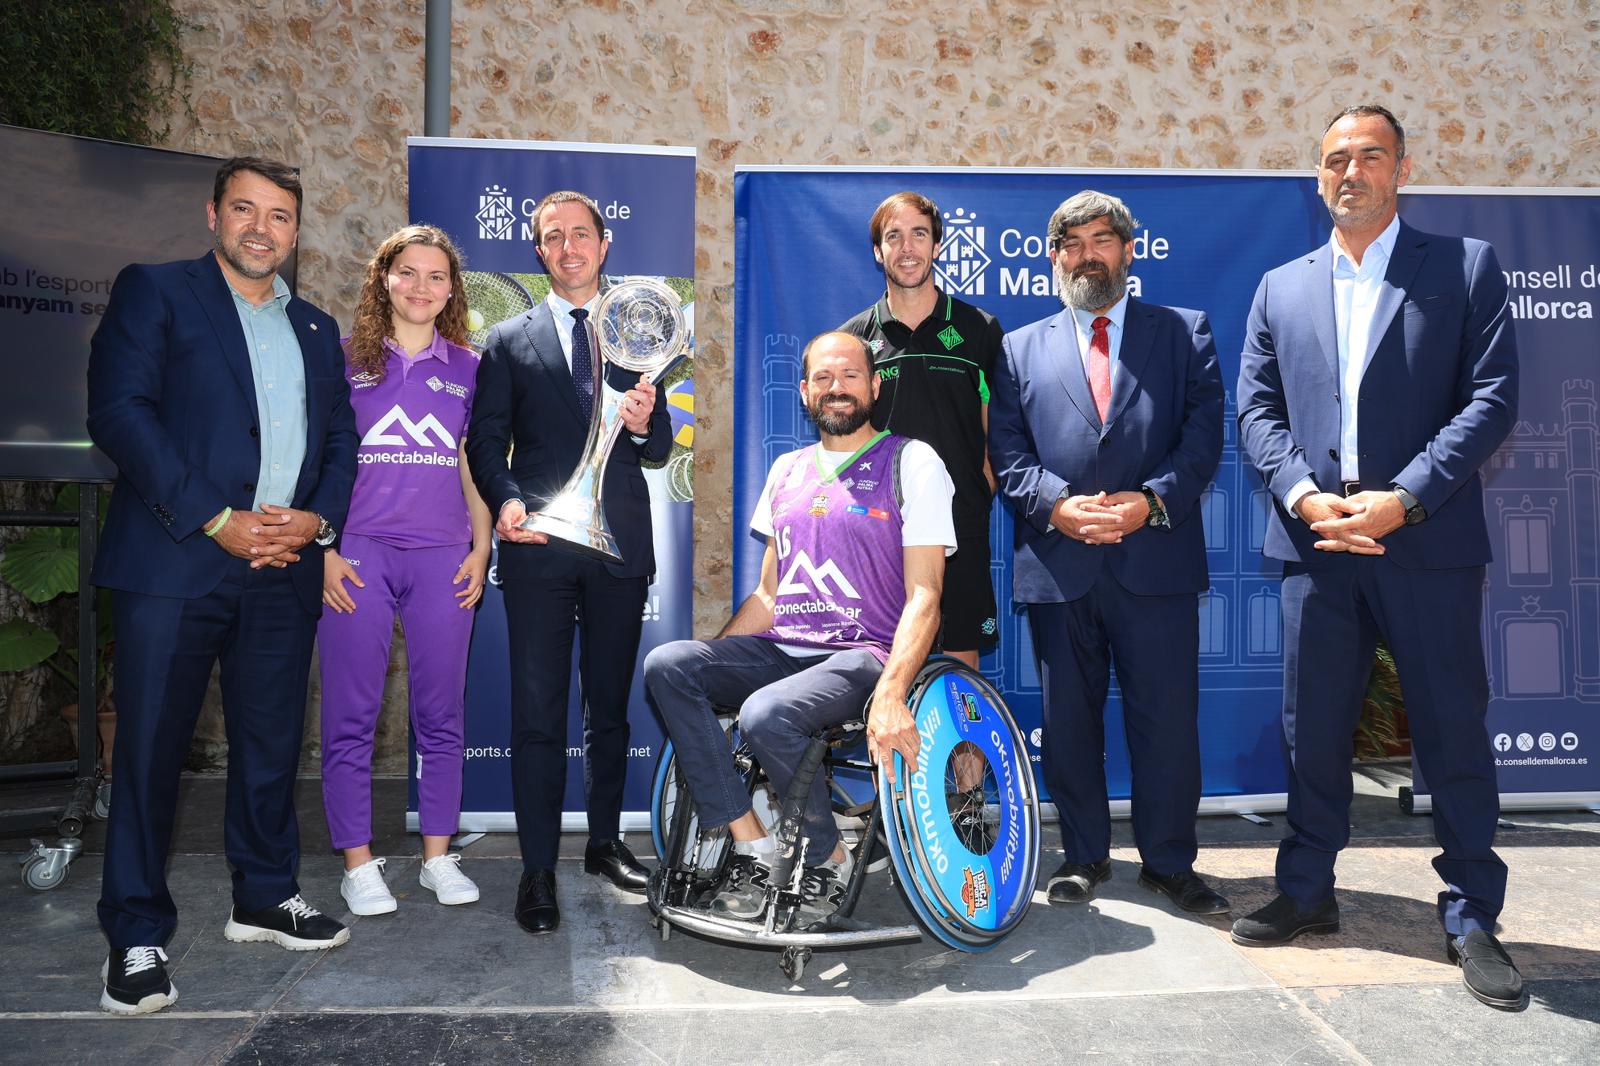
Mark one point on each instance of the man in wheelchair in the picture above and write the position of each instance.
(857, 529)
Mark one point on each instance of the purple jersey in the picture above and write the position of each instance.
(841, 566)
(408, 473)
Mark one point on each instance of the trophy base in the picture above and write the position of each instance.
(586, 541)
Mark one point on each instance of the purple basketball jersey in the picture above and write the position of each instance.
(408, 475)
(841, 573)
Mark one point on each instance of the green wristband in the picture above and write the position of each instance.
(222, 520)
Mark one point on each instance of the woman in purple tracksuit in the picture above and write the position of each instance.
(416, 545)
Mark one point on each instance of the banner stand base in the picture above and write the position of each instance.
(1412, 802)
(1248, 807)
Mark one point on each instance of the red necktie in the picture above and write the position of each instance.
(1100, 366)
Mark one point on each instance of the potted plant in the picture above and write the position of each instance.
(43, 565)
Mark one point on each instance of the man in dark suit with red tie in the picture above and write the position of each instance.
(1105, 426)
(1379, 373)
(530, 420)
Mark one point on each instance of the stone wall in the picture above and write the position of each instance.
(1493, 93)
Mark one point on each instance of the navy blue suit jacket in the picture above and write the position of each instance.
(1163, 429)
(1437, 398)
(173, 403)
(526, 404)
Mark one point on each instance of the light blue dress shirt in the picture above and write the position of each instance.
(279, 371)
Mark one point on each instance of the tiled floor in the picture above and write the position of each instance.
(1125, 979)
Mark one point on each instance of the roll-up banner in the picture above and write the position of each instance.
(1541, 602)
(804, 264)
(78, 211)
(482, 192)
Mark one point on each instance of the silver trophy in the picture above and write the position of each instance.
(639, 322)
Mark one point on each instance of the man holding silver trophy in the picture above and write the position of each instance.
(545, 444)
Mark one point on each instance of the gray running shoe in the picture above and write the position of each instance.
(744, 894)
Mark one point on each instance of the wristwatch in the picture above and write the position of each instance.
(1159, 519)
(1414, 509)
(326, 534)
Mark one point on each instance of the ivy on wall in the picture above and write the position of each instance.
(112, 69)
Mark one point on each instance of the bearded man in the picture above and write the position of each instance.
(1105, 426)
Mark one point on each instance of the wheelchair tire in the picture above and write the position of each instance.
(970, 884)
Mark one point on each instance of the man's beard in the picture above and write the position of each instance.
(239, 263)
(839, 423)
(1359, 217)
(1090, 290)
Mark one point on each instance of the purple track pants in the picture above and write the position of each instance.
(353, 651)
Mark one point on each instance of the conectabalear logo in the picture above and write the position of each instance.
(962, 259)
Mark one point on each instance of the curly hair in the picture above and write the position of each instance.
(374, 312)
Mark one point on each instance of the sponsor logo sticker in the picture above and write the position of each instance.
(975, 891)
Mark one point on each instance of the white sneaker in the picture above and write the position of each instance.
(443, 875)
(364, 891)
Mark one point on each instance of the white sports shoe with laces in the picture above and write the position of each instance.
(442, 874)
(364, 890)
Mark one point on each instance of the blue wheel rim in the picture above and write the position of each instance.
(968, 900)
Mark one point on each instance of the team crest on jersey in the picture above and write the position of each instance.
(875, 345)
(819, 506)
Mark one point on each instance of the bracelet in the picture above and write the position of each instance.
(222, 520)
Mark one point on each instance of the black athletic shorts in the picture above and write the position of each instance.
(968, 604)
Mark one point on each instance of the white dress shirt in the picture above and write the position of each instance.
(1355, 300)
(561, 311)
(1084, 320)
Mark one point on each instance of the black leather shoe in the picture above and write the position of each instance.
(1075, 882)
(1487, 970)
(1282, 920)
(613, 861)
(537, 911)
(1186, 889)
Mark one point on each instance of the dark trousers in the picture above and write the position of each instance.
(782, 700)
(1154, 642)
(166, 648)
(1333, 614)
(542, 616)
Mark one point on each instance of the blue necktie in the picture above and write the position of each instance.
(582, 363)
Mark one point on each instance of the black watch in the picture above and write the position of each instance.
(1414, 509)
(1158, 514)
(326, 534)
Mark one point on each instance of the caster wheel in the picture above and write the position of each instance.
(102, 800)
(40, 874)
(793, 962)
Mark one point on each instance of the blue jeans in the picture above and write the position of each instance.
(782, 700)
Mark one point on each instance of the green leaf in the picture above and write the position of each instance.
(24, 645)
(43, 564)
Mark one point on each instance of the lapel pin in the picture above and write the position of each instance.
(313, 327)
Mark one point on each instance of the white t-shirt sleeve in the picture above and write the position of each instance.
(761, 518)
(926, 489)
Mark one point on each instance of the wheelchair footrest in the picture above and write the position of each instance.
(755, 935)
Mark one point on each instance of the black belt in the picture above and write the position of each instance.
(1349, 488)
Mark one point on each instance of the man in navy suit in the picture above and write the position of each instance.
(1105, 426)
(1379, 373)
(534, 398)
(223, 402)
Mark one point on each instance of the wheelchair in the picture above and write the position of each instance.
(962, 833)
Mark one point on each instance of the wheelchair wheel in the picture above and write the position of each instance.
(964, 829)
(664, 794)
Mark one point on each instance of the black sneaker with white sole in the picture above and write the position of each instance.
(136, 981)
(293, 924)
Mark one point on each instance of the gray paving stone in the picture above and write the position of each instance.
(1402, 1025)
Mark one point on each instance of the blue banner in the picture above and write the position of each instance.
(483, 194)
(804, 264)
(1541, 604)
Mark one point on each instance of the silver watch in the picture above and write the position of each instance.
(326, 534)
